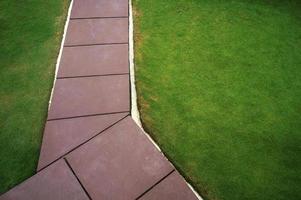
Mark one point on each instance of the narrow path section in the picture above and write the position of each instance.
(92, 148)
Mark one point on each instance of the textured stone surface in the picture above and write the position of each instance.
(97, 31)
(99, 8)
(88, 96)
(120, 163)
(56, 182)
(94, 60)
(61, 136)
(172, 187)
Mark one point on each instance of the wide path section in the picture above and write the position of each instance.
(92, 149)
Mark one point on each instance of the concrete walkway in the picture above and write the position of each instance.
(92, 149)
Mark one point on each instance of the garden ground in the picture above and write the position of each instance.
(31, 33)
(219, 89)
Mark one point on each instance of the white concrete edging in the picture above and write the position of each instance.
(134, 106)
(61, 51)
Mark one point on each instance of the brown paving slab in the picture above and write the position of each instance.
(97, 31)
(94, 60)
(172, 187)
(88, 96)
(55, 182)
(61, 136)
(120, 163)
(99, 8)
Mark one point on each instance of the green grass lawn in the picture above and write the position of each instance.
(219, 86)
(30, 36)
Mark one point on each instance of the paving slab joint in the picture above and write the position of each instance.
(84, 45)
(79, 116)
(81, 144)
(155, 184)
(80, 183)
(77, 18)
(87, 76)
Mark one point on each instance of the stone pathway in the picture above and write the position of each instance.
(92, 149)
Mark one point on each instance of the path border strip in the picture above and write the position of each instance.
(134, 106)
(58, 61)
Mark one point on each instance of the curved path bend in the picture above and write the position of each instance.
(92, 148)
